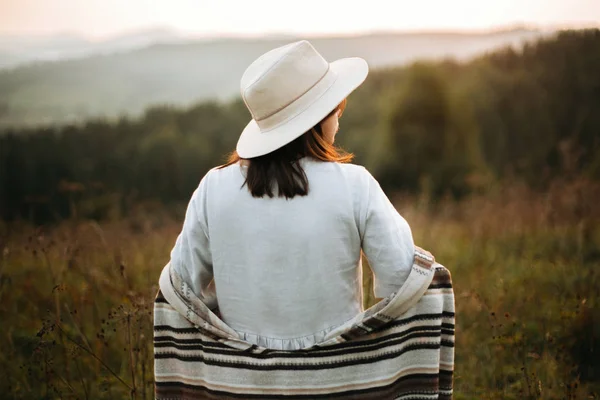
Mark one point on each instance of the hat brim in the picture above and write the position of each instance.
(351, 72)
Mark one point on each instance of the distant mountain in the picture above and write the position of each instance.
(16, 50)
(181, 72)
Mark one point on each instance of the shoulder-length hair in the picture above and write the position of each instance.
(281, 168)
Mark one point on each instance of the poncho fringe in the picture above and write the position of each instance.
(400, 348)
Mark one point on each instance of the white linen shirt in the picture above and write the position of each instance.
(286, 272)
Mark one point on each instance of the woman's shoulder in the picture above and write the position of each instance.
(348, 169)
(354, 177)
(357, 173)
(355, 169)
(219, 178)
(223, 172)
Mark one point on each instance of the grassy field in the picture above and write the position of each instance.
(76, 299)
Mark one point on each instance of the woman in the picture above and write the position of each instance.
(274, 238)
(272, 242)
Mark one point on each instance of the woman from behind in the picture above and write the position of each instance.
(271, 241)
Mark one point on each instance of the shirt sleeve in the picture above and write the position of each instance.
(191, 256)
(386, 241)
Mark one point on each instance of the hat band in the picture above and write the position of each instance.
(299, 105)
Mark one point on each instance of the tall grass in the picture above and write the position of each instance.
(76, 299)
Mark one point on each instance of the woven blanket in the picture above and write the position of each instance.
(400, 348)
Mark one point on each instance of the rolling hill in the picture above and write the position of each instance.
(181, 73)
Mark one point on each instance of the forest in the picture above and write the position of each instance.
(447, 129)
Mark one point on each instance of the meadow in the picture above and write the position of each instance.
(494, 162)
(76, 298)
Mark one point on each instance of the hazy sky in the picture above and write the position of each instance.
(102, 18)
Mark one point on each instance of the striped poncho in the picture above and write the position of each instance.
(400, 348)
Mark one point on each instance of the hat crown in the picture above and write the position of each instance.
(279, 77)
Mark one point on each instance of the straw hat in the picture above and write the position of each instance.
(290, 89)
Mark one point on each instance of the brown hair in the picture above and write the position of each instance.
(282, 167)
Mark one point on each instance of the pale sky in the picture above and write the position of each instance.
(104, 18)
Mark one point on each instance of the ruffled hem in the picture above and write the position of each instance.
(297, 343)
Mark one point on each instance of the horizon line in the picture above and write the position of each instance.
(270, 34)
